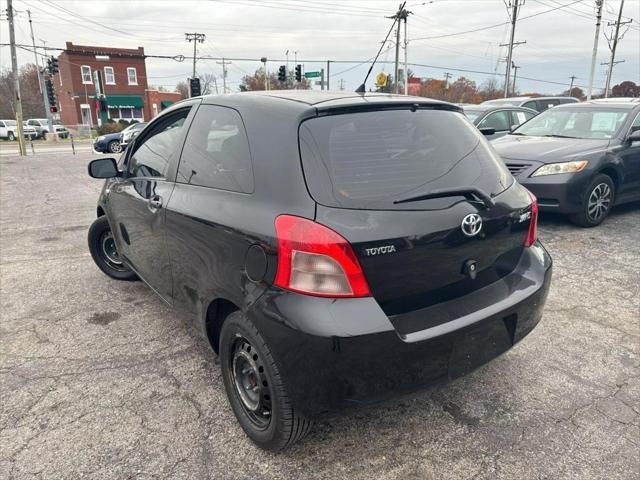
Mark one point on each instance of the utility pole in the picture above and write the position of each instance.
(266, 74)
(195, 38)
(447, 76)
(224, 64)
(616, 37)
(16, 79)
(400, 15)
(572, 77)
(599, 5)
(513, 4)
(406, 65)
(515, 73)
(45, 97)
(328, 70)
(341, 84)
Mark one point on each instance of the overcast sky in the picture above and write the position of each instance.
(558, 43)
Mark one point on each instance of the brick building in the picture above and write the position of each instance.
(124, 79)
(155, 101)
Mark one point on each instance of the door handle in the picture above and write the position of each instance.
(155, 203)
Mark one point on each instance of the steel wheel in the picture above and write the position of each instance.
(110, 253)
(250, 382)
(599, 202)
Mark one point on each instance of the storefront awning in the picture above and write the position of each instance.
(166, 103)
(124, 101)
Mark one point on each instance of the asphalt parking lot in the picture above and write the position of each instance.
(99, 379)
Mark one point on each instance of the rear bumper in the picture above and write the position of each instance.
(339, 353)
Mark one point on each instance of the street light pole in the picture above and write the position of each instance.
(45, 97)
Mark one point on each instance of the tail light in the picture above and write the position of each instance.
(315, 260)
(532, 236)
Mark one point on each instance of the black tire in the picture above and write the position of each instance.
(44, 135)
(596, 203)
(114, 146)
(11, 137)
(102, 248)
(282, 426)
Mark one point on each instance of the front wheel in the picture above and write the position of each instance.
(114, 146)
(11, 137)
(103, 250)
(597, 202)
(256, 391)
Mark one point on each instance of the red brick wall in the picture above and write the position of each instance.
(156, 97)
(72, 91)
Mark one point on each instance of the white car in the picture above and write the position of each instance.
(41, 126)
(9, 130)
(131, 132)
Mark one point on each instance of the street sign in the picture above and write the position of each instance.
(381, 79)
(311, 74)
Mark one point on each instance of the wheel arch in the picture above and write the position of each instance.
(217, 312)
(614, 173)
(100, 212)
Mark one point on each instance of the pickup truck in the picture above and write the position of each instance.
(42, 128)
(9, 130)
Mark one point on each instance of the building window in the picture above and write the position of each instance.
(132, 76)
(86, 73)
(109, 76)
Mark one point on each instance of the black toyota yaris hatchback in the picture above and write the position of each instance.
(334, 248)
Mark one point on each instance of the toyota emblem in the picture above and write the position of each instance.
(471, 225)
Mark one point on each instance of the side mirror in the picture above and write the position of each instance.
(103, 168)
(487, 131)
(634, 136)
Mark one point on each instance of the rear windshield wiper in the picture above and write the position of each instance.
(471, 193)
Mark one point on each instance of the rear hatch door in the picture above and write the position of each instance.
(430, 209)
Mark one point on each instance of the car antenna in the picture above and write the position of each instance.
(362, 88)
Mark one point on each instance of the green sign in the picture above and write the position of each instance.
(311, 74)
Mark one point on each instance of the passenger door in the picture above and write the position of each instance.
(137, 203)
(210, 209)
(3, 130)
(500, 121)
(630, 156)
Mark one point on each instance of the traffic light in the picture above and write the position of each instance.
(298, 73)
(282, 73)
(52, 65)
(51, 94)
(194, 87)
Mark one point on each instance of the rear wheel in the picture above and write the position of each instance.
(256, 391)
(103, 250)
(597, 202)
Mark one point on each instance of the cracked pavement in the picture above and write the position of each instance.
(100, 379)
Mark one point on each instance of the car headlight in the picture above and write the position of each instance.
(564, 167)
(101, 138)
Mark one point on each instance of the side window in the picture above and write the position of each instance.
(216, 152)
(531, 104)
(498, 120)
(547, 104)
(636, 124)
(151, 158)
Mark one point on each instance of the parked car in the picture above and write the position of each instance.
(41, 126)
(334, 248)
(539, 104)
(131, 132)
(579, 159)
(109, 143)
(494, 122)
(9, 130)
